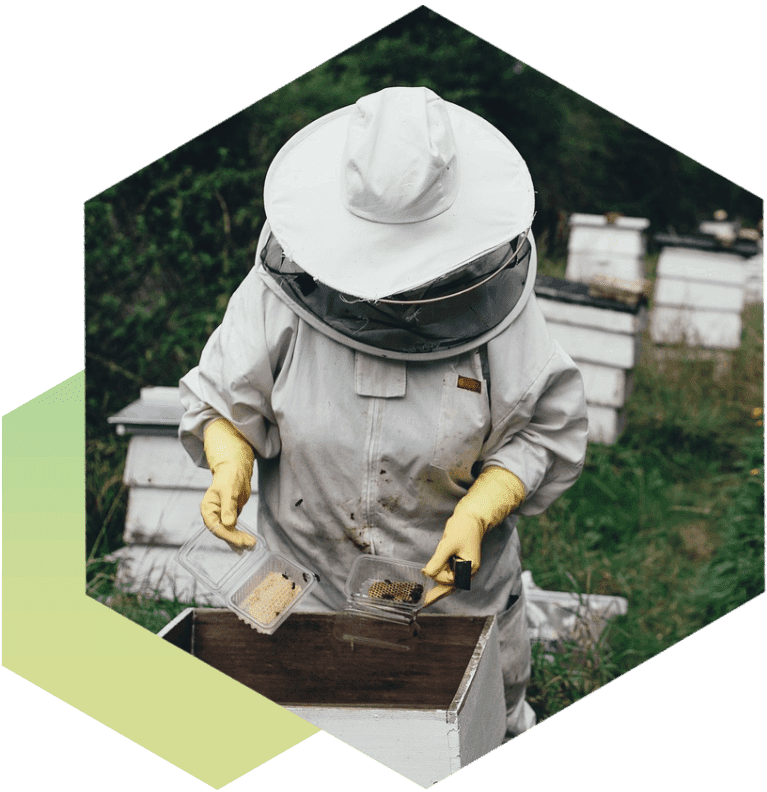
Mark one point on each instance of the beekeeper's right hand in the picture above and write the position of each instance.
(230, 458)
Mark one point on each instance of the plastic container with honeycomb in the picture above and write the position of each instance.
(387, 583)
(383, 597)
(262, 587)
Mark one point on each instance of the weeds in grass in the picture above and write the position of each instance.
(571, 672)
(671, 516)
(150, 609)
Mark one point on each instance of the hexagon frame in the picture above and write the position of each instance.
(24, 661)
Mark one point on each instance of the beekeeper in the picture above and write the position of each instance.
(388, 366)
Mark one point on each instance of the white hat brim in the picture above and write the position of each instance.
(303, 202)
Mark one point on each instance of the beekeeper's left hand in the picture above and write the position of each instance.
(494, 495)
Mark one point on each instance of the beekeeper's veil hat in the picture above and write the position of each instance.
(394, 194)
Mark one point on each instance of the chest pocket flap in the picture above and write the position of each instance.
(380, 377)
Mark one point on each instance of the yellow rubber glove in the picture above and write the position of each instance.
(230, 458)
(494, 495)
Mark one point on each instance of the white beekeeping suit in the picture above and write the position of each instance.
(388, 348)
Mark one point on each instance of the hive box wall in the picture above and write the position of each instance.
(424, 713)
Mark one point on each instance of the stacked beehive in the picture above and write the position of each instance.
(700, 292)
(607, 245)
(755, 279)
(603, 337)
(727, 232)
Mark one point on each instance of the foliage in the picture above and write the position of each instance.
(581, 157)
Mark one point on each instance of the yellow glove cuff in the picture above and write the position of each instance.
(493, 496)
(223, 443)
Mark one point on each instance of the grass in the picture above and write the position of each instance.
(670, 517)
(150, 611)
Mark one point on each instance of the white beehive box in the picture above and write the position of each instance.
(699, 296)
(603, 337)
(754, 262)
(165, 489)
(754, 279)
(425, 713)
(721, 229)
(606, 245)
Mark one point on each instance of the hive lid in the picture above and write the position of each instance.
(741, 247)
(262, 587)
(611, 220)
(157, 411)
(548, 287)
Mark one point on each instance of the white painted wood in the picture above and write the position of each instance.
(584, 266)
(710, 329)
(605, 344)
(164, 516)
(600, 221)
(699, 294)
(481, 721)
(597, 346)
(755, 279)
(701, 266)
(161, 516)
(414, 743)
(157, 461)
(156, 411)
(554, 616)
(604, 385)
(561, 312)
(722, 229)
(158, 522)
(160, 394)
(599, 247)
(427, 745)
(605, 423)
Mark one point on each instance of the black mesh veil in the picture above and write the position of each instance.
(460, 314)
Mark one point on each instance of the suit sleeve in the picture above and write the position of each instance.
(538, 406)
(237, 370)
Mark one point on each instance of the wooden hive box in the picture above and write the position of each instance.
(699, 292)
(607, 245)
(603, 337)
(164, 492)
(425, 713)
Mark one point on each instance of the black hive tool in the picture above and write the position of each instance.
(461, 572)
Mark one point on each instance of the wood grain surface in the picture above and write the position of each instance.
(304, 664)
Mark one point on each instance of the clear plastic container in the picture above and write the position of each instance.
(387, 583)
(262, 587)
(383, 598)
